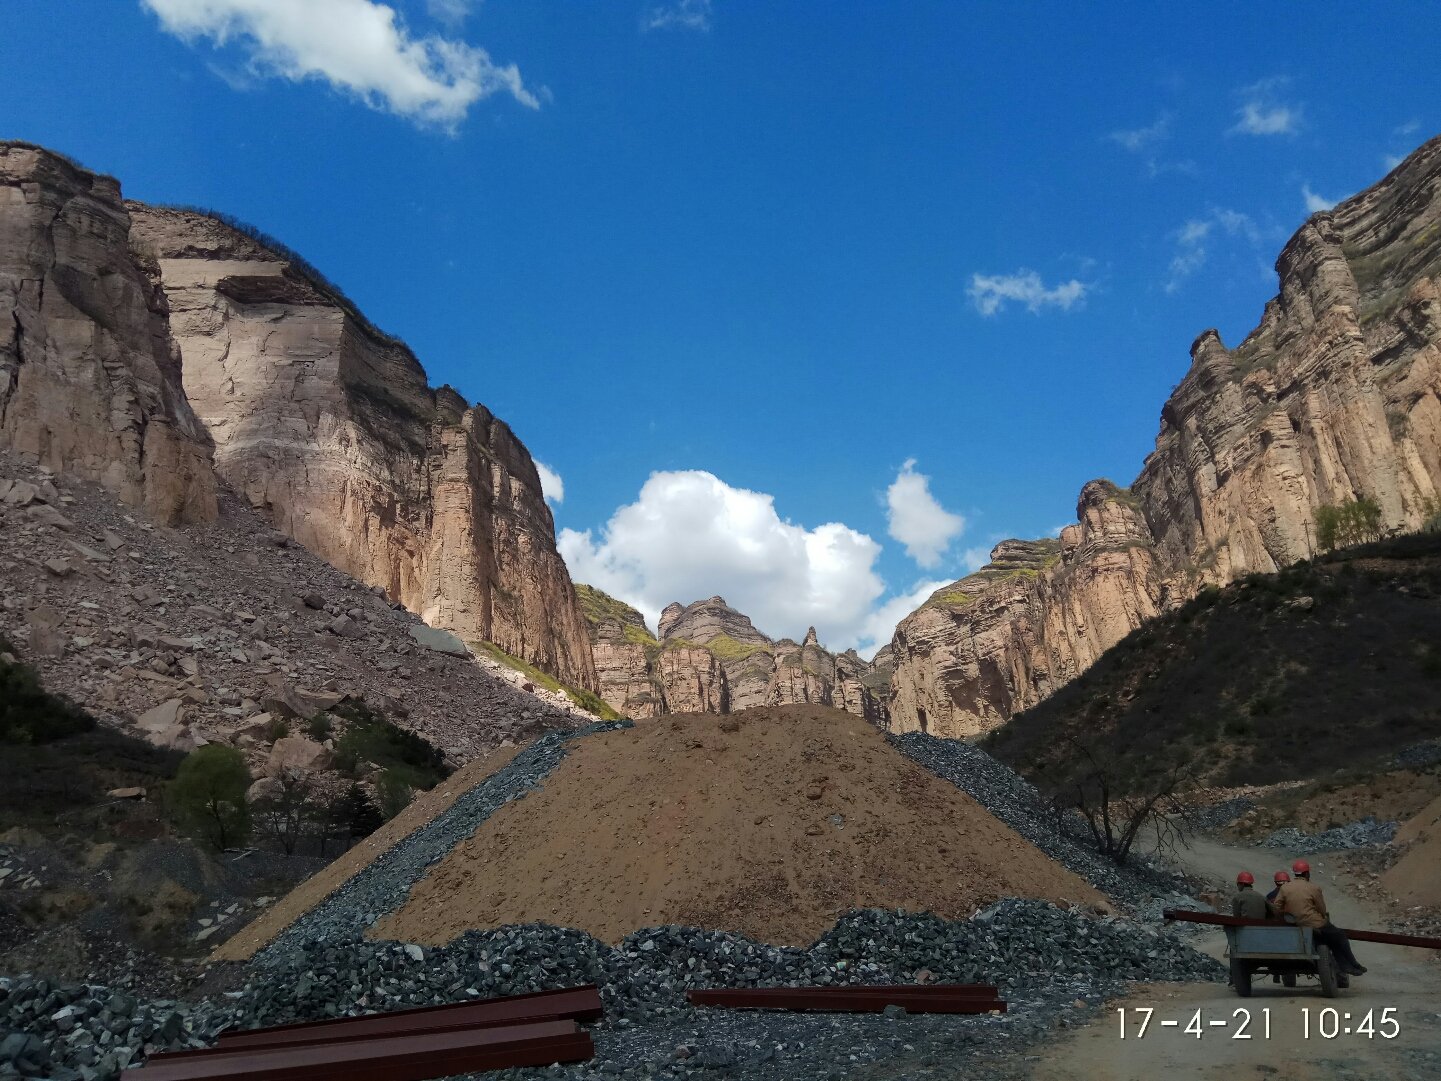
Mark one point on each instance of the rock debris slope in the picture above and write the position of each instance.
(327, 427)
(221, 631)
(1335, 395)
(89, 373)
(709, 658)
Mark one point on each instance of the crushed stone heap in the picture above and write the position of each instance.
(769, 824)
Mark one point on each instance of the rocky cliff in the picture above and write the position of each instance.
(1335, 396)
(89, 374)
(709, 658)
(328, 427)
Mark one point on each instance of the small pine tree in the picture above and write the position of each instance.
(208, 794)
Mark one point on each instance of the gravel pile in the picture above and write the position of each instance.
(1049, 962)
(1143, 888)
(1362, 834)
(1220, 814)
(382, 886)
(1419, 755)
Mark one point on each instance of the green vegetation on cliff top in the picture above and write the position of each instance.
(587, 700)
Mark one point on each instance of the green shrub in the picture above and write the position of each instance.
(319, 727)
(353, 813)
(208, 794)
(369, 737)
(393, 792)
(29, 713)
(278, 728)
(1357, 521)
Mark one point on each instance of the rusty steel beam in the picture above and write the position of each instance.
(570, 1004)
(861, 1001)
(391, 1058)
(945, 990)
(1221, 920)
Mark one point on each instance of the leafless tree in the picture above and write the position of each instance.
(1116, 821)
(283, 816)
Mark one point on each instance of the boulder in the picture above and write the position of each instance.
(48, 515)
(296, 752)
(346, 627)
(21, 493)
(264, 789)
(45, 637)
(163, 717)
(126, 793)
(438, 640)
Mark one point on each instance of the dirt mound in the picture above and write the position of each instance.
(771, 823)
(1415, 879)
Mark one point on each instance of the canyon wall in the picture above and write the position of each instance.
(709, 658)
(89, 373)
(1335, 396)
(328, 427)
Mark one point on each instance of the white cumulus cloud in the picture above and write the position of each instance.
(1262, 113)
(916, 519)
(360, 47)
(991, 292)
(689, 535)
(680, 15)
(551, 484)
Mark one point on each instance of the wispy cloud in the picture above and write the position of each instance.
(1138, 139)
(1315, 202)
(1193, 241)
(680, 15)
(450, 12)
(359, 47)
(990, 293)
(1146, 143)
(1262, 111)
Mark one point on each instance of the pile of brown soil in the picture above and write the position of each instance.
(771, 823)
(1415, 879)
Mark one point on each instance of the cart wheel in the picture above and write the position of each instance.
(1326, 970)
(1241, 977)
(1288, 979)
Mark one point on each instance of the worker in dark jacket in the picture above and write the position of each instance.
(1246, 901)
(1300, 901)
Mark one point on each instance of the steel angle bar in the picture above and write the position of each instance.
(1220, 920)
(575, 1004)
(393, 1058)
(868, 1002)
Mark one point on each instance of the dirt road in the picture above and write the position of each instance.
(1408, 981)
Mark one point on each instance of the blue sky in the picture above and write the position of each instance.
(790, 246)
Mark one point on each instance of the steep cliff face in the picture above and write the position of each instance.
(89, 374)
(1336, 395)
(328, 427)
(709, 658)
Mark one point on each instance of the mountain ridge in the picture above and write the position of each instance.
(1334, 396)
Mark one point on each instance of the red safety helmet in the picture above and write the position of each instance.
(1282, 876)
(1301, 867)
(1245, 878)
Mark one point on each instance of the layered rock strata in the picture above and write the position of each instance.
(90, 379)
(709, 658)
(328, 427)
(1335, 396)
